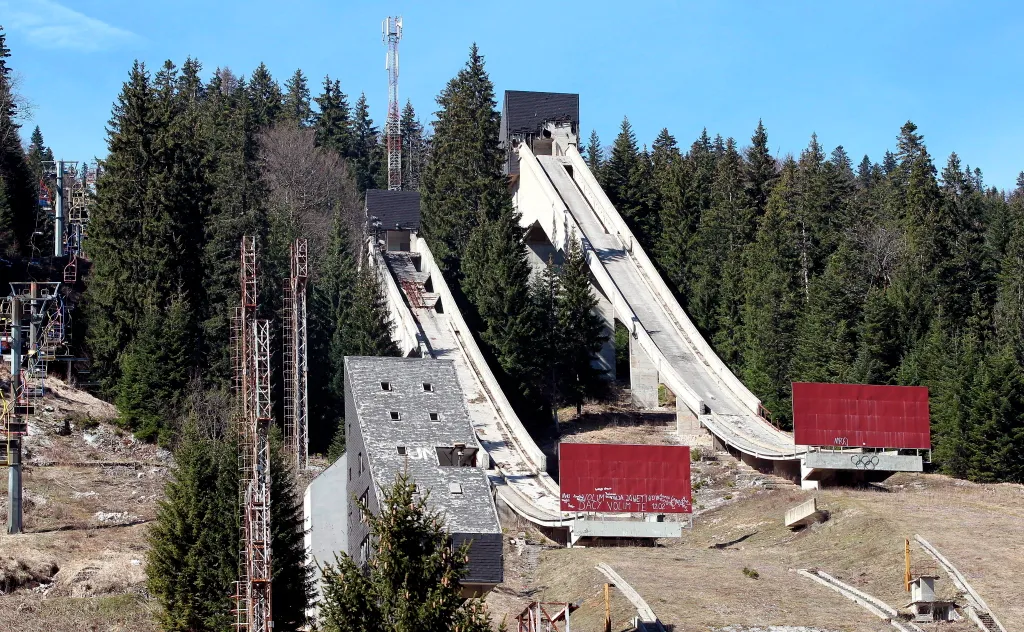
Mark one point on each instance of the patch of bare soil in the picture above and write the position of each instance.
(89, 491)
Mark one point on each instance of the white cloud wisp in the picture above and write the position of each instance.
(50, 25)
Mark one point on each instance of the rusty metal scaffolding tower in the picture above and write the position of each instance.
(253, 418)
(391, 33)
(296, 409)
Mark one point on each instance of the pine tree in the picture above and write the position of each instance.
(772, 298)
(296, 107)
(412, 580)
(38, 153)
(761, 174)
(497, 282)
(627, 180)
(18, 201)
(463, 183)
(414, 149)
(367, 328)
(193, 590)
(719, 236)
(193, 558)
(265, 97)
(292, 579)
(333, 122)
(580, 329)
(114, 296)
(594, 154)
(365, 154)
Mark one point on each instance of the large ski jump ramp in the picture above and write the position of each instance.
(427, 318)
(561, 195)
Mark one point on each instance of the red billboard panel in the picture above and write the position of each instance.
(861, 416)
(624, 478)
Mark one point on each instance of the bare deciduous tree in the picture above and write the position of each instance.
(11, 99)
(881, 248)
(310, 186)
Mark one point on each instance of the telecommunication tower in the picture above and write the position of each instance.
(391, 34)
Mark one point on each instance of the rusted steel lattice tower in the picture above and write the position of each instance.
(296, 409)
(253, 418)
(391, 33)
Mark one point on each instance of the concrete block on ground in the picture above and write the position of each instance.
(804, 514)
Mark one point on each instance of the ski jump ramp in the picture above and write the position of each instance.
(428, 322)
(559, 194)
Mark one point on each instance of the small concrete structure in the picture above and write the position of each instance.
(806, 513)
(923, 603)
(325, 519)
(581, 528)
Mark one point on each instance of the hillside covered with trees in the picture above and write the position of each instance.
(820, 268)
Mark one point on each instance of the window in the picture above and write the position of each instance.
(435, 416)
(385, 386)
(401, 450)
(428, 387)
(359, 464)
(363, 501)
(395, 415)
(349, 473)
(455, 488)
(364, 550)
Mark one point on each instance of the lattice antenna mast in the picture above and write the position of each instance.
(391, 34)
(253, 419)
(296, 409)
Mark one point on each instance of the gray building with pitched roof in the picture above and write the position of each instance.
(535, 118)
(393, 216)
(409, 415)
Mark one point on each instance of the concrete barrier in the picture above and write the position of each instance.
(881, 461)
(803, 514)
(404, 330)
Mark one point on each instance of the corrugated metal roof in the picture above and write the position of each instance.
(526, 112)
(407, 396)
(394, 209)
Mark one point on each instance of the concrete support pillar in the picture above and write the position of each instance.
(606, 356)
(643, 377)
(804, 471)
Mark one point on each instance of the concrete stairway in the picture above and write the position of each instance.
(747, 476)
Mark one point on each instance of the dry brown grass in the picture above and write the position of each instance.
(74, 569)
(980, 528)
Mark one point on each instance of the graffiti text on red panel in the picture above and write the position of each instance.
(610, 478)
(861, 416)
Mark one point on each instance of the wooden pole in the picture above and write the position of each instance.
(607, 610)
(906, 554)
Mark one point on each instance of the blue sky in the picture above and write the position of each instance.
(852, 73)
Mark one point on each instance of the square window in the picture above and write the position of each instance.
(401, 450)
(435, 416)
(395, 415)
(385, 386)
(428, 387)
(455, 488)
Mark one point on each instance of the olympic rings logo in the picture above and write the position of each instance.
(864, 461)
